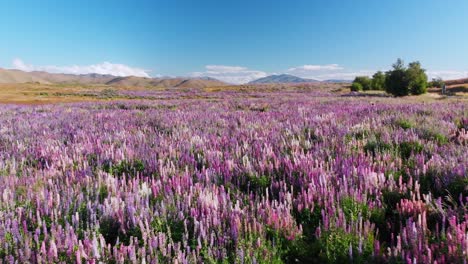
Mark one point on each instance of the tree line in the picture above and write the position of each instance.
(401, 80)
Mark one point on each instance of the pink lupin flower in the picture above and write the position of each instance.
(52, 250)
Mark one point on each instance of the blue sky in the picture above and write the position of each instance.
(236, 41)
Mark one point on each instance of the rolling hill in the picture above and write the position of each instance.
(457, 82)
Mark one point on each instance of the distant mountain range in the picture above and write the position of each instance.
(286, 78)
(282, 78)
(17, 76)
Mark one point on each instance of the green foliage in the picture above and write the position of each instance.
(428, 182)
(461, 123)
(84, 216)
(459, 186)
(377, 216)
(260, 182)
(356, 87)
(431, 135)
(375, 146)
(177, 230)
(309, 220)
(437, 82)
(364, 81)
(176, 227)
(410, 147)
(252, 182)
(360, 135)
(405, 124)
(440, 138)
(8, 238)
(108, 93)
(129, 168)
(304, 249)
(335, 245)
(395, 80)
(109, 228)
(416, 78)
(388, 213)
(392, 198)
(260, 250)
(352, 209)
(402, 81)
(133, 232)
(103, 193)
(378, 81)
(92, 160)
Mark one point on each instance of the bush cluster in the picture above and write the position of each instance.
(400, 81)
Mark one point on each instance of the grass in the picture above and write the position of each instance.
(37, 93)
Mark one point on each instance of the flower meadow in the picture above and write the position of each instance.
(235, 177)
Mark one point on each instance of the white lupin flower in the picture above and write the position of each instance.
(95, 248)
(144, 190)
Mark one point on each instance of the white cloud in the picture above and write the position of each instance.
(343, 75)
(230, 74)
(226, 69)
(102, 68)
(448, 75)
(314, 68)
(326, 72)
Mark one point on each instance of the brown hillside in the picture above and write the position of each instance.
(16, 76)
(456, 82)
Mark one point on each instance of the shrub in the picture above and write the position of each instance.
(108, 93)
(417, 78)
(252, 182)
(103, 193)
(365, 81)
(352, 209)
(437, 82)
(395, 80)
(133, 232)
(109, 229)
(375, 146)
(378, 81)
(430, 135)
(356, 87)
(458, 187)
(335, 245)
(410, 147)
(129, 168)
(402, 81)
(405, 124)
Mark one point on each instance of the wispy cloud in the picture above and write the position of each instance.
(230, 74)
(327, 72)
(448, 75)
(101, 68)
(314, 68)
(344, 75)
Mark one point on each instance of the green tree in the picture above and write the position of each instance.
(378, 81)
(402, 81)
(416, 78)
(364, 81)
(395, 80)
(356, 87)
(437, 82)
